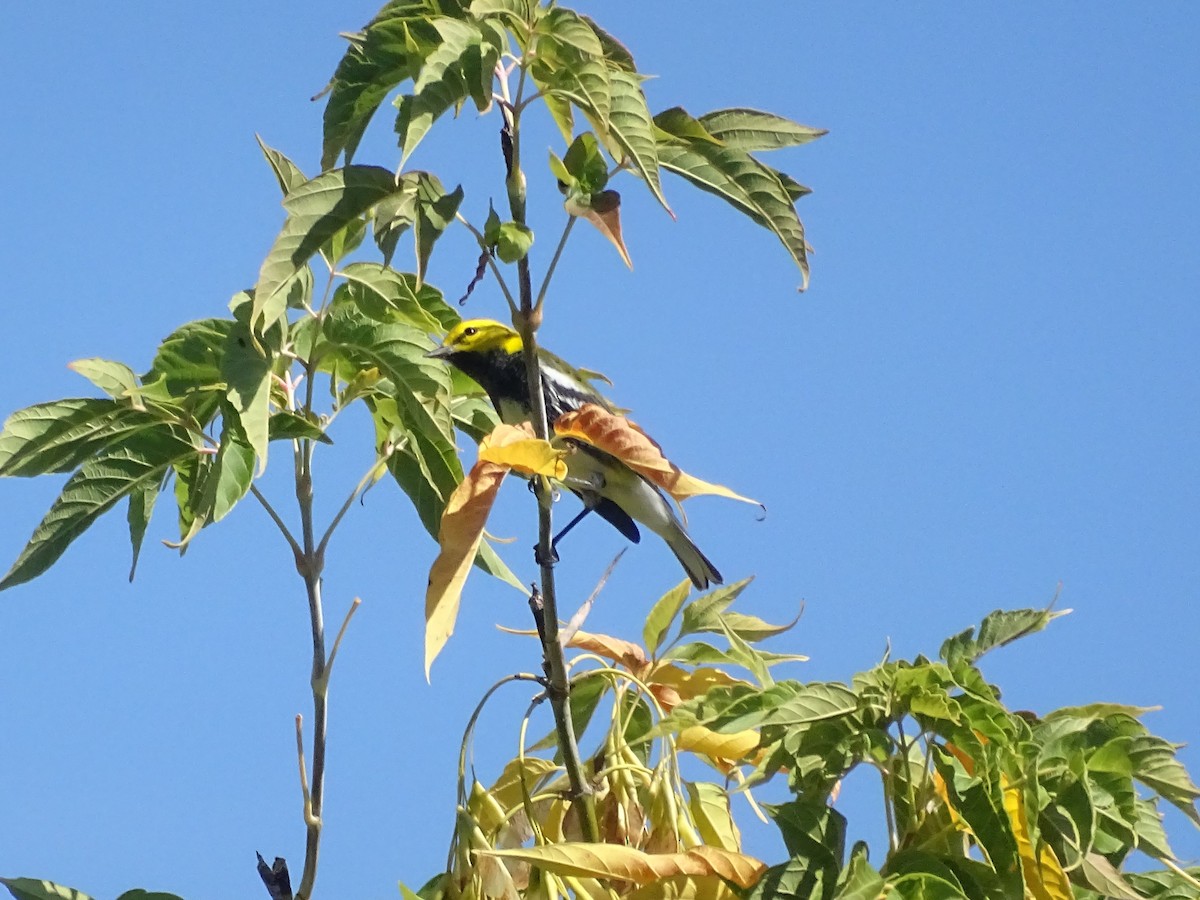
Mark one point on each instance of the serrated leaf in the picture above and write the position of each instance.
(998, 628)
(435, 211)
(631, 126)
(736, 177)
(317, 210)
(287, 173)
(440, 83)
(859, 880)
(114, 378)
(662, 615)
(189, 358)
(378, 60)
(703, 613)
(387, 295)
(59, 436)
(753, 129)
(138, 462)
(1102, 876)
(422, 386)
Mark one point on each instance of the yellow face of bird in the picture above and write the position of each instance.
(479, 336)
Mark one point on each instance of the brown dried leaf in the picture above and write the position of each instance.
(619, 437)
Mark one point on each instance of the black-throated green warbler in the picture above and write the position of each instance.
(491, 354)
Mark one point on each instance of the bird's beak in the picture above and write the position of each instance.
(439, 352)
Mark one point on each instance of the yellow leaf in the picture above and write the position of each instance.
(1044, 875)
(699, 739)
(617, 436)
(627, 864)
(459, 535)
(709, 805)
(684, 887)
(529, 456)
(694, 682)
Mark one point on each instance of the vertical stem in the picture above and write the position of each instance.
(527, 324)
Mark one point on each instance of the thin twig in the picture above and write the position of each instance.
(585, 608)
(372, 474)
(308, 813)
(266, 504)
(337, 641)
(562, 242)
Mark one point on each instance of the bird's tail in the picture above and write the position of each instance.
(702, 572)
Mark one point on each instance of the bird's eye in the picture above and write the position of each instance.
(469, 332)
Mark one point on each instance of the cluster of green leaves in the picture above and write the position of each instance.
(982, 801)
(219, 391)
(444, 53)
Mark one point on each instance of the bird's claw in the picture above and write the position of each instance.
(545, 560)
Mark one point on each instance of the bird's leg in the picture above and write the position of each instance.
(575, 521)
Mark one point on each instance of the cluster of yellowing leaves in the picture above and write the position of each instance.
(515, 449)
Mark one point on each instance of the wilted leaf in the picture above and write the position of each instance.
(627, 864)
(603, 210)
(459, 538)
(1043, 874)
(530, 456)
(617, 436)
(997, 629)
(627, 653)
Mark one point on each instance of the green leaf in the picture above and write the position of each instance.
(246, 367)
(700, 653)
(138, 462)
(859, 880)
(387, 295)
(815, 837)
(287, 173)
(1175, 884)
(569, 62)
(513, 241)
(1156, 766)
(59, 436)
(344, 241)
(733, 708)
(317, 210)
(616, 53)
(141, 508)
(114, 378)
(736, 177)
(703, 613)
(286, 425)
(630, 125)
(709, 806)
(435, 211)
(754, 629)
(1100, 875)
(924, 886)
(662, 615)
(586, 165)
(189, 358)
(997, 629)
(752, 129)
(440, 83)
(378, 60)
(36, 889)
(421, 385)
(232, 471)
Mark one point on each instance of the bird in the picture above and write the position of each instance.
(492, 354)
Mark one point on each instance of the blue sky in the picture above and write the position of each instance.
(990, 390)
